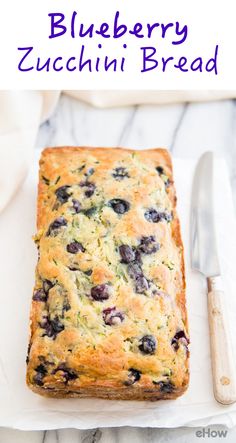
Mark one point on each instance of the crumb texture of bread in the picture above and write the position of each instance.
(108, 315)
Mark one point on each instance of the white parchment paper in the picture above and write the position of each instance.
(22, 409)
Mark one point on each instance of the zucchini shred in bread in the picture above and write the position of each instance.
(108, 315)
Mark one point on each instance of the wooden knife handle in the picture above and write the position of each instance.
(223, 366)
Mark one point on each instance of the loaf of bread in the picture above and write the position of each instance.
(108, 314)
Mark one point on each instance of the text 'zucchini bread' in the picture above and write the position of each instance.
(108, 315)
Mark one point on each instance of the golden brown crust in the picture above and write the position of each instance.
(133, 342)
(126, 393)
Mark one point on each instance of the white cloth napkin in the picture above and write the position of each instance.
(21, 113)
(22, 409)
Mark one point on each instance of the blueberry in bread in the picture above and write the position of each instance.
(108, 315)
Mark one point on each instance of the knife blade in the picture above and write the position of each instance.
(204, 259)
(204, 255)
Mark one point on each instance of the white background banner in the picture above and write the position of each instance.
(126, 44)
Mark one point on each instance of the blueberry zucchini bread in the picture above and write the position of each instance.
(108, 315)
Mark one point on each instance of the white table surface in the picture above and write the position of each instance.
(187, 130)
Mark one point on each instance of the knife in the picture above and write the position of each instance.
(204, 259)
